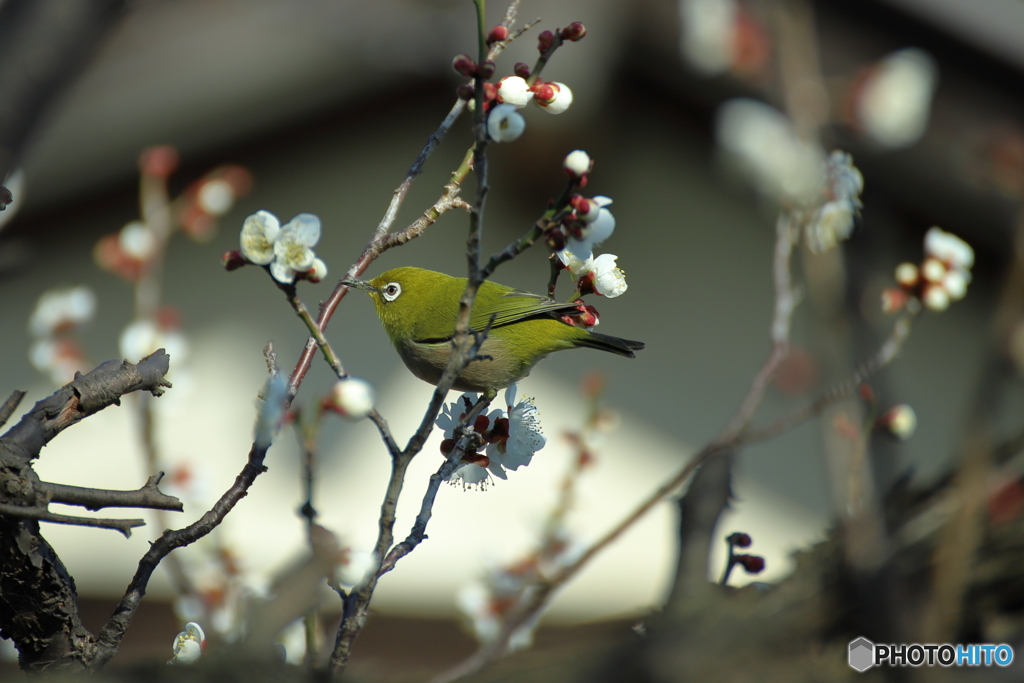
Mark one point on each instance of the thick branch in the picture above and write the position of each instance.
(10, 405)
(86, 395)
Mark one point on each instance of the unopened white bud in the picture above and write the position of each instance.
(515, 91)
(901, 421)
(577, 163)
(907, 274)
(562, 100)
(936, 298)
(353, 398)
(933, 270)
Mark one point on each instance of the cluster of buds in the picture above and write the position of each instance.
(286, 251)
(55, 350)
(130, 252)
(752, 564)
(504, 439)
(940, 279)
(503, 101)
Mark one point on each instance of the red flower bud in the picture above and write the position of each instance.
(490, 92)
(545, 40)
(521, 69)
(574, 31)
(544, 93)
(487, 69)
(158, 161)
(447, 446)
(754, 564)
(464, 64)
(498, 33)
(481, 424)
(232, 260)
(465, 91)
(739, 539)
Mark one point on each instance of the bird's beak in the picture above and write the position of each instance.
(359, 284)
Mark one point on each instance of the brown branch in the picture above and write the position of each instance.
(10, 405)
(149, 496)
(43, 515)
(109, 638)
(86, 395)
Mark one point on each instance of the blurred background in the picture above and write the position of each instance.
(326, 103)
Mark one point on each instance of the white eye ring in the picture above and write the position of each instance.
(391, 291)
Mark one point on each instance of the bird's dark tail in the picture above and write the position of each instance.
(604, 342)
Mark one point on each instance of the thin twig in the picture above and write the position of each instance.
(125, 526)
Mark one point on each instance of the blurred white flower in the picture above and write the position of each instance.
(293, 247)
(216, 197)
(948, 248)
(271, 411)
(505, 123)
(60, 309)
(515, 91)
(188, 645)
(259, 232)
(947, 268)
(142, 337)
(137, 240)
(708, 39)
(353, 398)
(895, 100)
(766, 145)
(900, 420)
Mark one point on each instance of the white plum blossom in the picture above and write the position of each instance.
(765, 143)
(895, 100)
(259, 232)
(577, 163)
(514, 90)
(561, 101)
(293, 248)
(353, 398)
(608, 279)
(505, 123)
(62, 308)
(524, 433)
(949, 248)
(188, 645)
(512, 437)
(900, 420)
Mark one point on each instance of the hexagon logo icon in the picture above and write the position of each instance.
(862, 654)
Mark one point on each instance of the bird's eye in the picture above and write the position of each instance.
(391, 291)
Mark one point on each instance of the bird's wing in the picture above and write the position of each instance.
(515, 306)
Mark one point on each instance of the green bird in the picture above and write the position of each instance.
(418, 309)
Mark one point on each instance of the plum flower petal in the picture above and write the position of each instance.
(293, 248)
(188, 645)
(514, 90)
(259, 232)
(609, 280)
(505, 123)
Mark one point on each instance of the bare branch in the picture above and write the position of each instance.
(125, 526)
(149, 496)
(10, 405)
